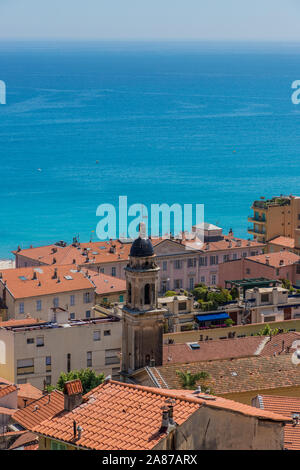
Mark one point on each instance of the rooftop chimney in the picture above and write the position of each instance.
(165, 419)
(72, 394)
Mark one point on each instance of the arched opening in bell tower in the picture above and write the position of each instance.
(147, 294)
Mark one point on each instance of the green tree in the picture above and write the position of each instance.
(229, 322)
(170, 293)
(189, 380)
(286, 284)
(88, 377)
(200, 293)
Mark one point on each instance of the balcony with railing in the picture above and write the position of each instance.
(256, 220)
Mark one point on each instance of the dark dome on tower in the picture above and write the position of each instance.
(141, 247)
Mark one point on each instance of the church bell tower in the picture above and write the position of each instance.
(143, 321)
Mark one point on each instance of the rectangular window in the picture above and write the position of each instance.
(48, 380)
(191, 262)
(72, 316)
(30, 340)
(105, 300)
(265, 297)
(202, 279)
(101, 270)
(21, 307)
(25, 366)
(113, 271)
(247, 271)
(165, 265)
(48, 360)
(192, 282)
(72, 299)
(89, 360)
(121, 298)
(112, 356)
(177, 283)
(86, 298)
(225, 258)
(203, 261)
(182, 306)
(55, 302)
(178, 264)
(244, 254)
(97, 335)
(38, 305)
(48, 363)
(88, 314)
(234, 256)
(214, 260)
(213, 279)
(68, 362)
(40, 341)
(106, 333)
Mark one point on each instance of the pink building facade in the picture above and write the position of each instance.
(282, 265)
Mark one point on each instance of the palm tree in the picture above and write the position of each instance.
(188, 380)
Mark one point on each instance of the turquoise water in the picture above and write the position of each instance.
(172, 122)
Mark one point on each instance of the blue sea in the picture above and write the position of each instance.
(190, 122)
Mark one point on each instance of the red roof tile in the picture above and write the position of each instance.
(5, 390)
(276, 260)
(22, 322)
(239, 375)
(283, 241)
(28, 440)
(120, 416)
(285, 406)
(20, 282)
(29, 391)
(105, 284)
(40, 409)
(210, 350)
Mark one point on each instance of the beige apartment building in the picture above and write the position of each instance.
(180, 314)
(276, 217)
(37, 352)
(35, 291)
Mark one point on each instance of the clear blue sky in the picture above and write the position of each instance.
(151, 19)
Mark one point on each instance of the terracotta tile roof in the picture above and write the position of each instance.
(209, 350)
(28, 440)
(276, 260)
(29, 391)
(225, 404)
(285, 406)
(117, 416)
(239, 375)
(98, 252)
(72, 387)
(283, 241)
(22, 322)
(20, 284)
(228, 243)
(281, 343)
(40, 409)
(5, 390)
(105, 284)
(120, 416)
